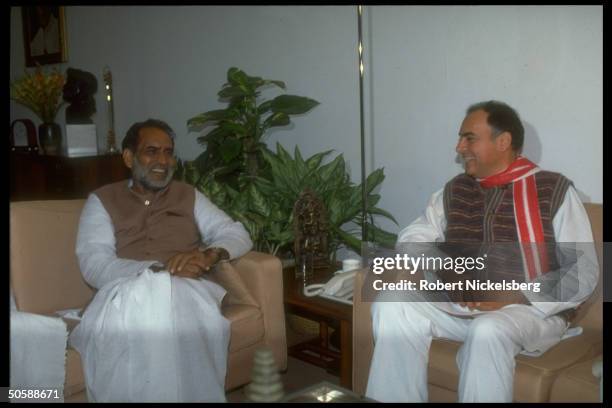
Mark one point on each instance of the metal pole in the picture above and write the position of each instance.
(364, 196)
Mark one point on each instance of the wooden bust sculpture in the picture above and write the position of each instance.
(78, 91)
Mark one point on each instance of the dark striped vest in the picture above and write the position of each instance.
(482, 217)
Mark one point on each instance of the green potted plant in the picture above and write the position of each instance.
(234, 144)
(265, 207)
(259, 187)
(331, 182)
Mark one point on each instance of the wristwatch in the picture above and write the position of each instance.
(222, 254)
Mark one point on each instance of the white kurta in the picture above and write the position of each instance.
(38, 353)
(403, 330)
(151, 336)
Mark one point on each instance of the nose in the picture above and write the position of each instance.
(461, 145)
(162, 158)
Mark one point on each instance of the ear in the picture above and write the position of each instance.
(504, 141)
(128, 157)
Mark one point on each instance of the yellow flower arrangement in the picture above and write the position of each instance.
(41, 92)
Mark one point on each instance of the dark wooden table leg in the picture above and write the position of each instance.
(323, 334)
(346, 351)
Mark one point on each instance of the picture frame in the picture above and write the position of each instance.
(44, 35)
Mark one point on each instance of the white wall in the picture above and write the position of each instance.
(430, 63)
(170, 62)
(424, 66)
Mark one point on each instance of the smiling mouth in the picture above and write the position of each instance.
(159, 172)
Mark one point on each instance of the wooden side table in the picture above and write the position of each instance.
(327, 313)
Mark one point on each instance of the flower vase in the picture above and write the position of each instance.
(50, 138)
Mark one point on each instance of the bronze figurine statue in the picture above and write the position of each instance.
(311, 229)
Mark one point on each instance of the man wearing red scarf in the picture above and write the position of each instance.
(501, 198)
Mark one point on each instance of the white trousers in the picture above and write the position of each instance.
(402, 337)
(154, 338)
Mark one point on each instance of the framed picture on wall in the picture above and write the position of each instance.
(44, 35)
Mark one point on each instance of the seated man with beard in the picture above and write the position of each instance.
(154, 331)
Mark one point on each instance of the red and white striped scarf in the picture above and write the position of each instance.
(526, 213)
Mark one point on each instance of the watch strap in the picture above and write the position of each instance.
(222, 253)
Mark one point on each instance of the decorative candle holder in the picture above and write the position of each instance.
(266, 384)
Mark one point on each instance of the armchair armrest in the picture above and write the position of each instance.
(263, 276)
(597, 370)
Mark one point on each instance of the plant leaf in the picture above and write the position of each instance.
(283, 155)
(380, 236)
(233, 127)
(331, 168)
(373, 199)
(374, 179)
(210, 116)
(236, 76)
(215, 136)
(277, 119)
(257, 202)
(264, 107)
(280, 84)
(191, 173)
(292, 104)
(232, 92)
(350, 240)
(335, 211)
(179, 171)
(255, 81)
(230, 149)
(315, 160)
(380, 211)
(300, 165)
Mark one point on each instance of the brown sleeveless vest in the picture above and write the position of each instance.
(155, 226)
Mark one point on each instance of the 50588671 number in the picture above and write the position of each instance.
(33, 394)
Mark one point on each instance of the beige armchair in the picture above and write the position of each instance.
(45, 278)
(563, 373)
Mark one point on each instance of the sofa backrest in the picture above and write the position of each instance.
(45, 275)
(590, 313)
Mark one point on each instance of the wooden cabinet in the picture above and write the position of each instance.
(39, 177)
